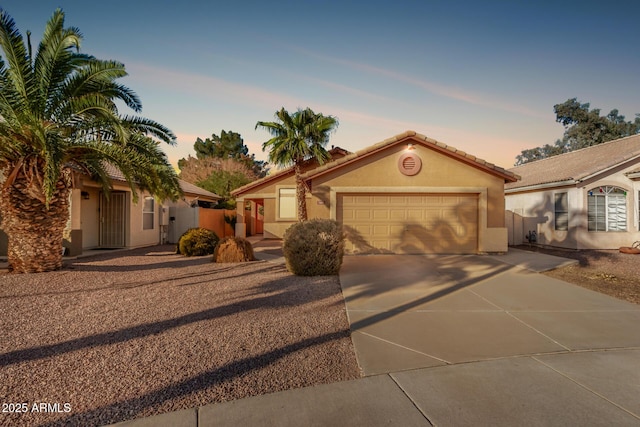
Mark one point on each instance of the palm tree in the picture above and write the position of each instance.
(58, 117)
(296, 138)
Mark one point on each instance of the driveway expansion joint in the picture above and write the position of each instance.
(537, 331)
(406, 348)
(587, 388)
(413, 402)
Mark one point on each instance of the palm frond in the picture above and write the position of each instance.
(149, 127)
(19, 72)
(59, 109)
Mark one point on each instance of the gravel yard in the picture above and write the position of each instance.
(137, 333)
(606, 271)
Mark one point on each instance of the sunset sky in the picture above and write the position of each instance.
(480, 76)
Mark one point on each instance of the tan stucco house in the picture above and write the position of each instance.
(406, 194)
(585, 199)
(118, 222)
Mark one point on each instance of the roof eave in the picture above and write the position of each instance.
(633, 175)
(544, 186)
(262, 181)
(411, 135)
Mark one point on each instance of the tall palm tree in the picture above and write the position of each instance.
(58, 116)
(296, 138)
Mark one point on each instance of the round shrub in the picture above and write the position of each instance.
(314, 247)
(197, 242)
(181, 236)
(233, 249)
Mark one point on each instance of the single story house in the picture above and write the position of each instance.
(98, 222)
(406, 194)
(585, 199)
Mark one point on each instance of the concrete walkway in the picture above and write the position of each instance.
(463, 340)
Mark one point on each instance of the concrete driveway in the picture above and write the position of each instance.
(502, 344)
(463, 341)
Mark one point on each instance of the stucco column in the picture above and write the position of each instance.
(241, 229)
(73, 234)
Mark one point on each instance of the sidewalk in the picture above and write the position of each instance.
(590, 388)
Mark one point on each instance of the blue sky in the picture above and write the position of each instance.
(480, 76)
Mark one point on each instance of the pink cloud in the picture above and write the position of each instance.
(436, 88)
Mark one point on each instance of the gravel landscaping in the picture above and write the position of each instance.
(606, 271)
(136, 333)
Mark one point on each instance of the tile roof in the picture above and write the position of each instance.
(187, 187)
(577, 165)
(432, 143)
(194, 190)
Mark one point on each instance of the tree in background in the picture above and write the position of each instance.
(219, 176)
(222, 164)
(296, 138)
(229, 145)
(583, 128)
(58, 115)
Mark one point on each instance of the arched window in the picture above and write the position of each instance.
(607, 209)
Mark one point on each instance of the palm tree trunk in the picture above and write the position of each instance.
(35, 231)
(301, 195)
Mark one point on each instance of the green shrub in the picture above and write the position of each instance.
(233, 249)
(181, 236)
(314, 247)
(197, 242)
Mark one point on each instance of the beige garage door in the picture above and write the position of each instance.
(410, 223)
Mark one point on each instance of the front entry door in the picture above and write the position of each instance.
(260, 217)
(112, 220)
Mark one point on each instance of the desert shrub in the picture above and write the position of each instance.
(197, 242)
(181, 236)
(233, 249)
(314, 247)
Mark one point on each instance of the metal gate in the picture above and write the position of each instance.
(112, 220)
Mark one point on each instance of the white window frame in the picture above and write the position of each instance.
(607, 209)
(287, 203)
(146, 213)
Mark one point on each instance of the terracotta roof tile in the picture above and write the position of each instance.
(577, 165)
(440, 146)
(187, 187)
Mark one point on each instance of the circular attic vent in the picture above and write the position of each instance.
(409, 164)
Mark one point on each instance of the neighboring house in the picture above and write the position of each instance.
(585, 199)
(117, 222)
(407, 194)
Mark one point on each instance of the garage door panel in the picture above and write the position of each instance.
(396, 201)
(416, 214)
(362, 214)
(380, 230)
(381, 214)
(397, 214)
(416, 223)
(363, 200)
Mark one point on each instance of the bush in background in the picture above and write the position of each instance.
(314, 247)
(197, 242)
(233, 249)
